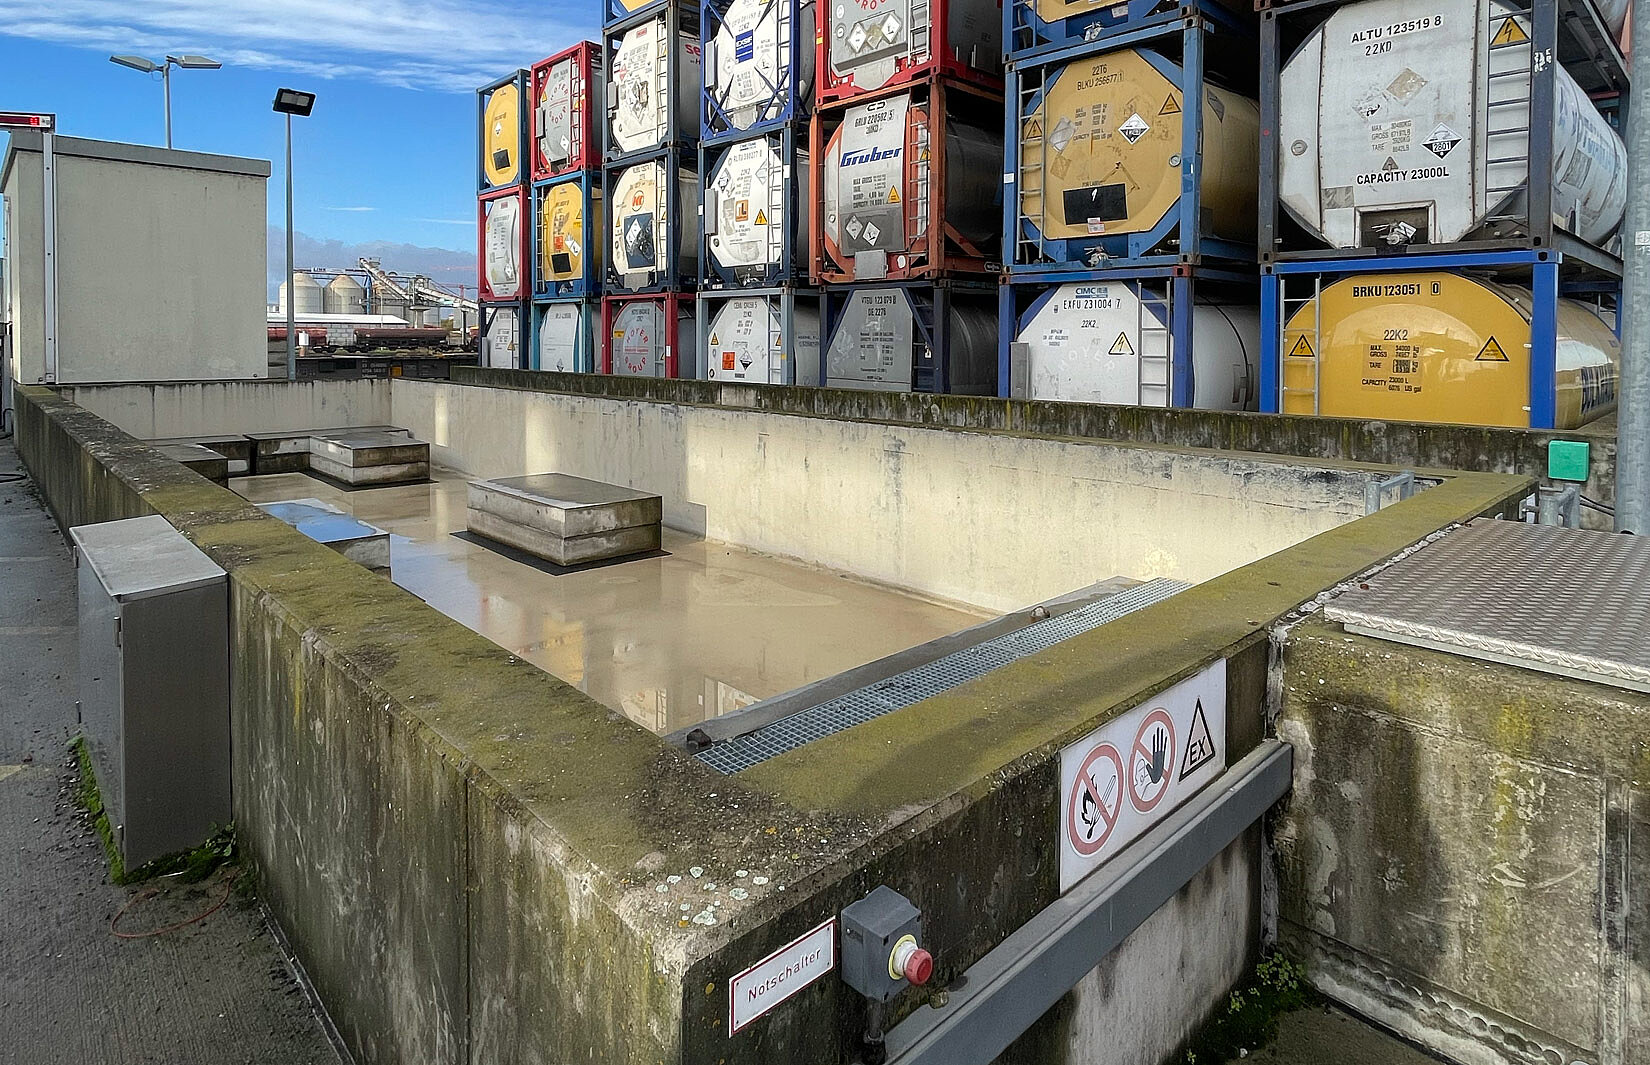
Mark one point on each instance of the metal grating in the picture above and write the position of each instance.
(1564, 601)
(915, 685)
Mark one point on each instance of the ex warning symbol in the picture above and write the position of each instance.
(1491, 352)
(1171, 106)
(1200, 746)
(893, 195)
(1509, 32)
(1302, 349)
(1121, 345)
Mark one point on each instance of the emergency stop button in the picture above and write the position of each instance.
(910, 962)
(881, 945)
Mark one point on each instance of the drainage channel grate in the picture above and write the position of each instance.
(915, 685)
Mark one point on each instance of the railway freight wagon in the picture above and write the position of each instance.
(1402, 126)
(1433, 346)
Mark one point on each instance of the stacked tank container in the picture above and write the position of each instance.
(758, 319)
(503, 209)
(650, 136)
(568, 230)
(1441, 193)
(1129, 184)
(905, 235)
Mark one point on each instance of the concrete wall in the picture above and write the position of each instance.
(160, 262)
(473, 860)
(1034, 517)
(1464, 858)
(1407, 445)
(168, 411)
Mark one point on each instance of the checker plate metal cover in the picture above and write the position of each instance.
(1565, 601)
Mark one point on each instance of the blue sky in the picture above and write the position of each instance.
(389, 154)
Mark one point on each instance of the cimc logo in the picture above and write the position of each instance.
(875, 154)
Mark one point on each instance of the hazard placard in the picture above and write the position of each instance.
(1302, 349)
(1126, 776)
(1121, 345)
(1509, 32)
(1491, 352)
(1171, 106)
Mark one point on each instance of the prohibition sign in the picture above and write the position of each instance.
(1096, 800)
(1151, 761)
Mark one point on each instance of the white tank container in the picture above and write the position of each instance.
(344, 295)
(643, 336)
(747, 205)
(877, 198)
(747, 70)
(644, 235)
(558, 121)
(1400, 124)
(646, 81)
(307, 295)
(878, 345)
(501, 343)
(1100, 342)
(873, 40)
(747, 339)
(564, 337)
(501, 247)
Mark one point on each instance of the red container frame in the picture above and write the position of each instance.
(830, 88)
(951, 254)
(524, 269)
(676, 303)
(588, 69)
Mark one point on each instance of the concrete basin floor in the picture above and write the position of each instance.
(669, 641)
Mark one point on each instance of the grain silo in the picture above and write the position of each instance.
(306, 298)
(344, 295)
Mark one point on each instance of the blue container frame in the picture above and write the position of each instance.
(615, 14)
(793, 267)
(595, 202)
(678, 134)
(486, 312)
(591, 312)
(672, 278)
(834, 298)
(785, 297)
(1195, 247)
(794, 102)
(1028, 38)
(1546, 285)
(524, 165)
(1582, 45)
(1180, 286)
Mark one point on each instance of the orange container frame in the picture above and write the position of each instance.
(584, 151)
(940, 249)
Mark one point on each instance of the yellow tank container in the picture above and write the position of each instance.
(501, 134)
(1439, 347)
(562, 231)
(1100, 154)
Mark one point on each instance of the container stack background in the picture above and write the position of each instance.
(651, 137)
(758, 317)
(1320, 207)
(1130, 195)
(569, 232)
(906, 145)
(1431, 232)
(502, 211)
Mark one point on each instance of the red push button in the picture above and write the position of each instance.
(910, 962)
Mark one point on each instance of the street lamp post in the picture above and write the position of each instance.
(291, 102)
(149, 66)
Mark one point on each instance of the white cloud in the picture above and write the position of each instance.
(351, 209)
(440, 45)
(447, 221)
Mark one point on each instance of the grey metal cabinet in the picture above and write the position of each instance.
(154, 683)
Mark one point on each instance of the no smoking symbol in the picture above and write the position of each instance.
(1096, 800)
(1151, 760)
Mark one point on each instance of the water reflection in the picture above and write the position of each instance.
(667, 641)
